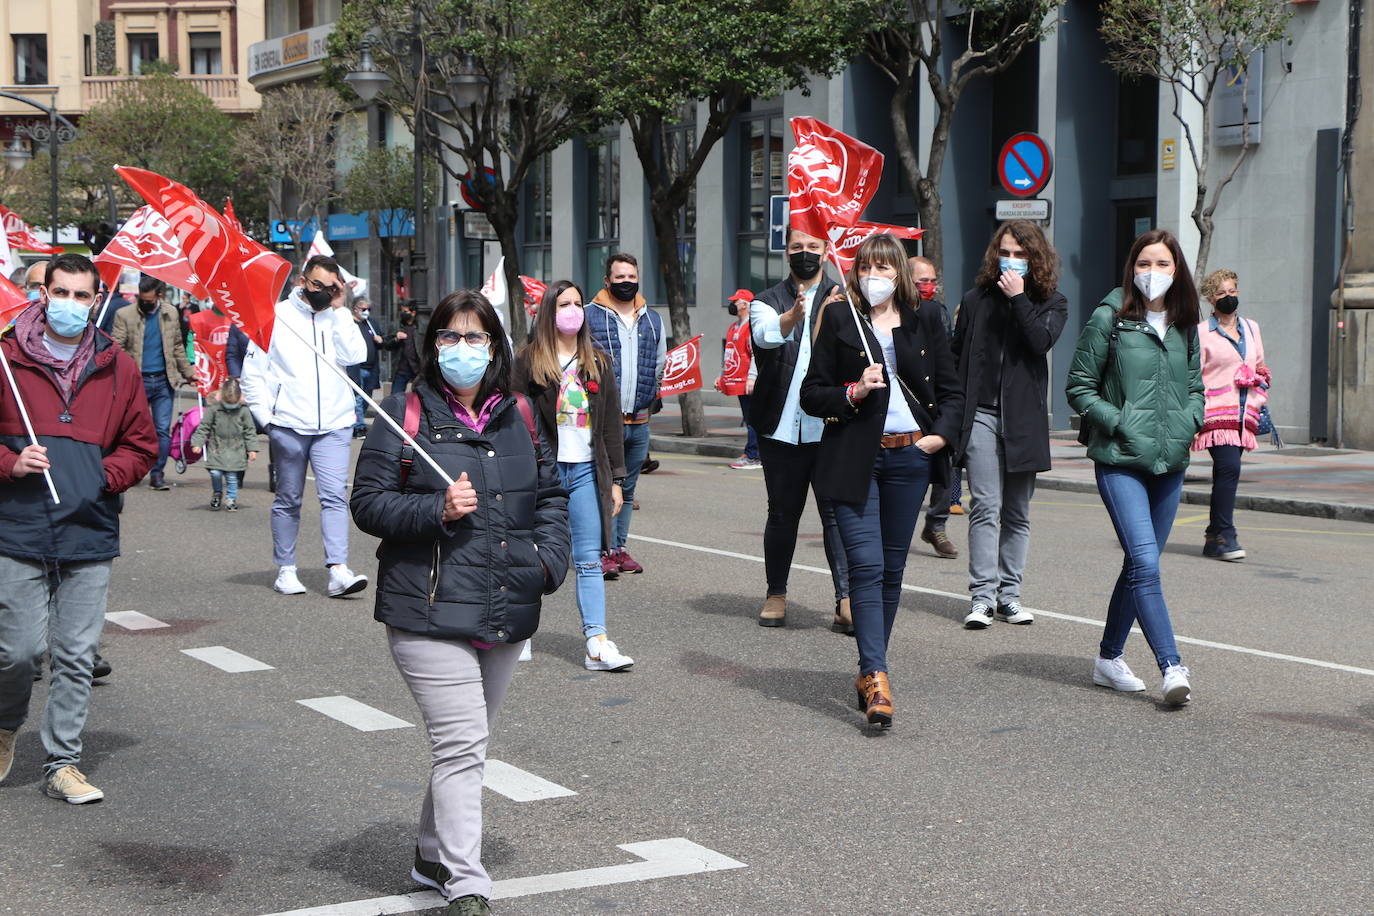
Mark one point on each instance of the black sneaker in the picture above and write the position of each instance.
(231, 506)
(649, 466)
(101, 667)
(430, 874)
(215, 502)
(1221, 547)
(158, 482)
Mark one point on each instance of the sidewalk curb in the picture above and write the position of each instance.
(1192, 495)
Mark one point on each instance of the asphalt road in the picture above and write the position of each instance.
(1008, 783)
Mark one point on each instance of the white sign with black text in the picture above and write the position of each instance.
(1023, 209)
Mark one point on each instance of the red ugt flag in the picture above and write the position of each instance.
(212, 334)
(12, 301)
(146, 243)
(845, 242)
(534, 292)
(21, 234)
(682, 371)
(243, 277)
(831, 177)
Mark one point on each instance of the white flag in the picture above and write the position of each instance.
(495, 290)
(320, 245)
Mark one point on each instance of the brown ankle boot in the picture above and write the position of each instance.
(844, 621)
(875, 697)
(774, 613)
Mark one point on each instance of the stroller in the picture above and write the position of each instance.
(182, 430)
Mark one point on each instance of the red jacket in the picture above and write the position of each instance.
(734, 374)
(100, 443)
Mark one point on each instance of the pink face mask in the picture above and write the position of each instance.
(568, 320)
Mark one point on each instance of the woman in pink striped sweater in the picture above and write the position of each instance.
(1236, 380)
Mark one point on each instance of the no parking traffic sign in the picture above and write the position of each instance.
(1025, 165)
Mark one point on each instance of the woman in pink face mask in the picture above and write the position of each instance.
(572, 384)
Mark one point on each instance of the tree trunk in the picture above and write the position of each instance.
(664, 217)
(502, 214)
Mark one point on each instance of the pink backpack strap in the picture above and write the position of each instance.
(526, 409)
(411, 424)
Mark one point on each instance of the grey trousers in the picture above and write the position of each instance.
(327, 455)
(459, 690)
(999, 515)
(57, 610)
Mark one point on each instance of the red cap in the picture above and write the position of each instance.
(742, 295)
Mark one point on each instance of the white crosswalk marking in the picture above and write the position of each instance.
(518, 785)
(351, 712)
(133, 620)
(227, 659)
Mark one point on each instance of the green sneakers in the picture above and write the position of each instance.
(468, 905)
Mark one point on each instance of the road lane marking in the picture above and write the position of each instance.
(661, 859)
(227, 659)
(1190, 519)
(133, 620)
(1190, 640)
(518, 785)
(359, 715)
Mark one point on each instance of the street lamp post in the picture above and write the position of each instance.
(58, 130)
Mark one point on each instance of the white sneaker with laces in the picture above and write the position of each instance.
(1177, 690)
(1116, 674)
(527, 651)
(343, 581)
(602, 655)
(979, 616)
(287, 583)
(1013, 612)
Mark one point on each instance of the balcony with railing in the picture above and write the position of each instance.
(223, 89)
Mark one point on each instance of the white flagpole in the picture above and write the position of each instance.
(108, 296)
(28, 426)
(853, 309)
(409, 440)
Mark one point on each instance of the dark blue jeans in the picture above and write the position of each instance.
(160, 401)
(1225, 477)
(1142, 507)
(751, 444)
(636, 450)
(366, 378)
(877, 535)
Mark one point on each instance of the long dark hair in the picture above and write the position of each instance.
(1180, 302)
(542, 351)
(1042, 277)
(497, 377)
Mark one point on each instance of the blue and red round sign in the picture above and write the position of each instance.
(1025, 165)
(469, 187)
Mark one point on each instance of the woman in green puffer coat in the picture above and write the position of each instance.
(230, 440)
(1136, 381)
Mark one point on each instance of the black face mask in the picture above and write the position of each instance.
(625, 290)
(1227, 305)
(407, 318)
(147, 308)
(319, 299)
(804, 264)
(732, 308)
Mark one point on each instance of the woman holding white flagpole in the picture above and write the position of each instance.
(464, 565)
(884, 421)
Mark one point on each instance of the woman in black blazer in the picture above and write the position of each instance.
(875, 453)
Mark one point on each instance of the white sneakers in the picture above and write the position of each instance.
(343, 581)
(1013, 612)
(527, 651)
(602, 655)
(1116, 674)
(1177, 690)
(287, 583)
(979, 616)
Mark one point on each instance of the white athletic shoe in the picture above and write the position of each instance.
(287, 583)
(527, 651)
(979, 616)
(602, 655)
(1116, 674)
(1013, 612)
(343, 581)
(1177, 690)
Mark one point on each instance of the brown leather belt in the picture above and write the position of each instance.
(898, 440)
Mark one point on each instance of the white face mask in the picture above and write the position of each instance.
(877, 290)
(1153, 284)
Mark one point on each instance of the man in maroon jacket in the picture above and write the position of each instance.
(95, 437)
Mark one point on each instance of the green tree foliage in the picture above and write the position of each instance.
(381, 183)
(652, 64)
(1190, 46)
(909, 42)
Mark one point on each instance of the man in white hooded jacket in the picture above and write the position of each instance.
(307, 410)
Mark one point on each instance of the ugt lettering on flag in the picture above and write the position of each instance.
(243, 278)
(845, 240)
(146, 243)
(682, 370)
(831, 177)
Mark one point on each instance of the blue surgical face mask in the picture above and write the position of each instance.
(1019, 265)
(33, 295)
(66, 317)
(464, 365)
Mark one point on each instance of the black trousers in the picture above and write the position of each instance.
(787, 473)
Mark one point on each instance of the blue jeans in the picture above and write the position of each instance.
(366, 378)
(877, 535)
(636, 450)
(56, 608)
(1142, 507)
(160, 401)
(226, 482)
(1225, 478)
(584, 515)
(751, 444)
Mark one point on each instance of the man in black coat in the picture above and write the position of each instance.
(781, 323)
(1007, 324)
(366, 374)
(405, 342)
